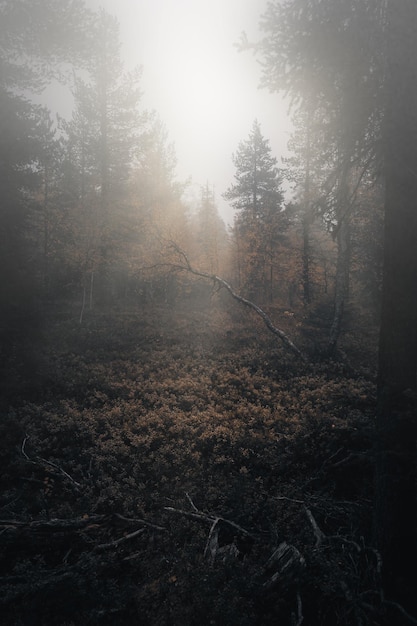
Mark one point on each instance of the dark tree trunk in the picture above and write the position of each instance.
(343, 261)
(307, 218)
(395, 506)
(306, 259)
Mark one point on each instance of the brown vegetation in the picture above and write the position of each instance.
(179, 467)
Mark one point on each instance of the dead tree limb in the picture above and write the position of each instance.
(42, 462)
(320, 536)
(213, 520)
(212, 544)
(223, 284)
(117, 542)
(52, 525)
(74, 524)
(128, 520)
(283, 566)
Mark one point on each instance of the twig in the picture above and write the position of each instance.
(199, 516)
(53, 525)
(39, 461)
(300, 615)
(212, 541)
(138, 521)
(193, 506)
(350, 457)
(402, 610)
(288, 499)
(285, 562)
(317, 532)
(347, 541)
(23, 447)
(202, 517)
(63, 472)
(115, 544)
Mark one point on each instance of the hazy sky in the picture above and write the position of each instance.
(205, 92)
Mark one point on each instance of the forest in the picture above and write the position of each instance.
(202, 423)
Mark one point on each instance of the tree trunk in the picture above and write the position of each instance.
(395, 504)
(307, 218)
(46, 229)
(342, 278)
(306, 258)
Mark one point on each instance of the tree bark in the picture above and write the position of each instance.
(343, 259)
(306, 220)
(306, 259)
(395, 505)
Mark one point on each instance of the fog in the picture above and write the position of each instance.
(205, 91)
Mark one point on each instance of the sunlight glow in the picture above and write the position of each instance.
(204, 90)
(198, 69)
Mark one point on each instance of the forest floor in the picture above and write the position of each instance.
(175, 466)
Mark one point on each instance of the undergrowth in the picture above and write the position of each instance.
(200, 437)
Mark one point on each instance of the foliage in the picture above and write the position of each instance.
(329, 58)
(39, 38)
(210, 235)
(134, 410)
(260, 220)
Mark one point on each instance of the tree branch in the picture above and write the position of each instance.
(186, 266)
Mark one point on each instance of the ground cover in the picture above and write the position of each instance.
(177, 466)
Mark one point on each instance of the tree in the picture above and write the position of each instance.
(47, 219)
(306, 170)
(104, 141)
(367, 248)
(396, 514)
(158, 211)
(327, 57)
(257, 198)
(210, 232)
(18, 180)
(38, 38)
(366, 49)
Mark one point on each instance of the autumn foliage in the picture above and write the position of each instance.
(141, 411)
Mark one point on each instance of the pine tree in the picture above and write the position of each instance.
(328, 57)
(358, 58)
(396, 502)
(157, 211)
(211, 232)
(104, 141)
(260, 222)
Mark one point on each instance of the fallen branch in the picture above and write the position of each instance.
(210, 519)
(317, 532)
(70, 525)
(283, 566)
(42, 462)
(129, 520)
(223, 284)
(60, 470)
(193, 506)
(300, 616)
(53, 525)
(402, 610)
(117, 542)
(212, 544)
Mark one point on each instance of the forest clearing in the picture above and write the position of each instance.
(164, 456)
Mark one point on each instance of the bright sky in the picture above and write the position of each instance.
(205, 92)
